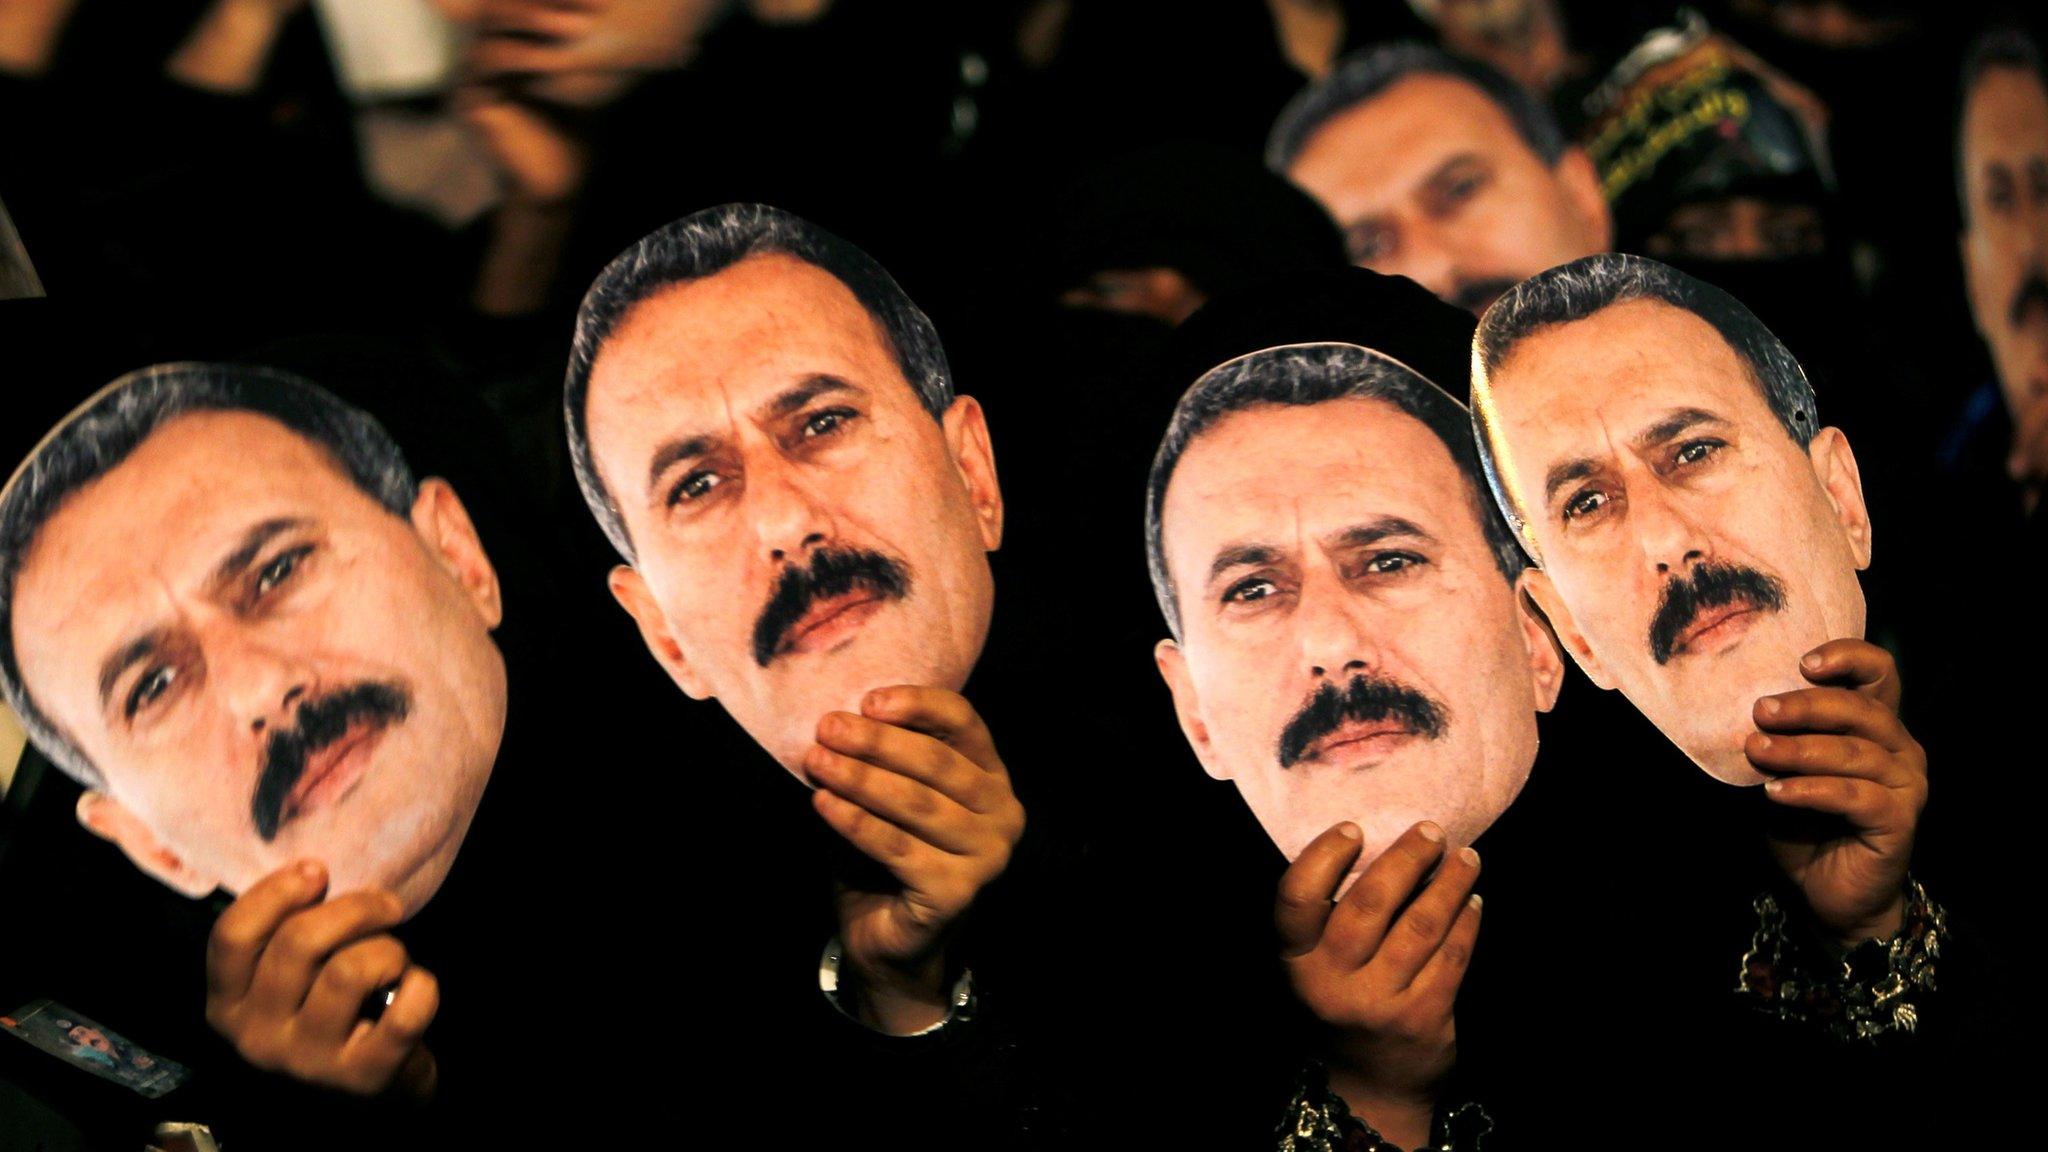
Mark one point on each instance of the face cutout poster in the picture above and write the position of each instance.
(765, 427)
(1696, 530)
(1347, 642)
(229, 609)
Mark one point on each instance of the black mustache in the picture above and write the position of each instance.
(2033, 293)
(1474, 295)
(830, 573)
(1366, 700)
(1711, 586)
(319, 722)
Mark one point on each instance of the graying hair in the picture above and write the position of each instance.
(1575, 291)
(1366, 73)
(704, 244)
(108, 429)
(1300, 375)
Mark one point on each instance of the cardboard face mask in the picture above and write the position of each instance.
(1697, 530)
(1348, 640)
(765, 427)
(232, 613)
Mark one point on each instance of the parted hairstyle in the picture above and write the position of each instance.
(1575, 291)
(703, 244)
(109, 427)
(1299, 375)
(1366, 73)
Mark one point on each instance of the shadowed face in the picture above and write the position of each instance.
(264, 663)
(805, 530)
(1430, 180)
(1691, 551)
(1350, 649)
(2005, 240)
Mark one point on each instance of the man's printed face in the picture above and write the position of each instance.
(806, 531)
(1430, 180)
(2005, 240)
(1350, 649)
(264, 663)
(1691, 552)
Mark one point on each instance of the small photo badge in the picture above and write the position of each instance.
(103, 1052)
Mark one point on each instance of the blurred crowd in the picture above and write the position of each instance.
(405, 201)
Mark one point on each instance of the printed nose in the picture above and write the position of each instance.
(1336, 640)
(263, 682)
(1671, 541)
(789, 517)
(292, 696)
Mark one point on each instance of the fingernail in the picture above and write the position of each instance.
(1811, 662)
(874, 700)
(1763, 743)
(1469, 854)
(310, 870)
(1774, 786)
(1476, 901)
(831, 725)
(819, 762)
(1431, 832)
(1768, 706)
(1350, 831)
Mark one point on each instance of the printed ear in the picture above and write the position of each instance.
(1535, 584)
(1546, 652)
(112, 821)
(630, 589)
(1836, 467)
(1187, 707)
(441, 520)
(975, 456)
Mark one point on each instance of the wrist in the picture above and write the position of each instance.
(1861, 992)
(1883, 926)
(1400, 1117)
(897, 1000)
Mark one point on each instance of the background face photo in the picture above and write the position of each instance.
(245, 655)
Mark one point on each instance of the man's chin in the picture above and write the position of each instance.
(1729, 767)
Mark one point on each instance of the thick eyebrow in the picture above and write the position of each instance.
(252, 542)
(127, 656)
(675, 451)
(1444, 170)
(1565, 472)
(803, 392)
(1373, 531)
(1673, 424)
(1241, 556)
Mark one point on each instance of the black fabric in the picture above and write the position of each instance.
(1392, 315)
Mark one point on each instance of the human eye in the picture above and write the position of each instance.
(150, 687)
(827, 422)
(1251, 590)
(1999, 193)
(694, 485)
(1463, 187)
(281, 568)
(1582, 504)
(1696, 451)
(1388, 563)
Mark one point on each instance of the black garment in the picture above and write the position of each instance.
(1217, 217)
